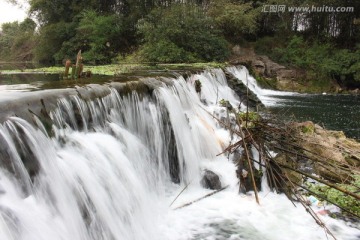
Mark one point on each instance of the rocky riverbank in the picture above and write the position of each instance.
(272, 75)
(328, 165)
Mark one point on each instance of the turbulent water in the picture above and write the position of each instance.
(335, 112)
(112, 167)
(266, 96)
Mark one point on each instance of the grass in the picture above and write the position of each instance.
(116, 69)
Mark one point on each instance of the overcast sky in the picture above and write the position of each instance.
(11, 13)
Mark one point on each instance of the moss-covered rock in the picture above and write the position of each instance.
(307, 127)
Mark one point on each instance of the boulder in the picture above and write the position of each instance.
(259, 67)
(210, 180)
(263, 66)
(271, 68)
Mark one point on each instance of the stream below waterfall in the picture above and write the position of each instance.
(109, 167)
(333, 111)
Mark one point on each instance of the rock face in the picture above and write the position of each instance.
(252, 100)
(243, 171)
(210, 180)
(285, 184)
(263, 66)
(342, 155)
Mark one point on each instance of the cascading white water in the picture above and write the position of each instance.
(108, 171)
(266, 96)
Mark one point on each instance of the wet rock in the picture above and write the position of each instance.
(287, 161)
(263, 66)
(355, 91)
(259, 67)
(210, 180)
(243, 172)
(246, 97)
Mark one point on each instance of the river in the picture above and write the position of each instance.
(332, 111)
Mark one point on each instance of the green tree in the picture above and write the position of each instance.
(236, 20)
(181, 33)
(51, 39)
(17, 40)
(101, 36)
(60, 33)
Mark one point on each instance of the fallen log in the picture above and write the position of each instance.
(207, 195)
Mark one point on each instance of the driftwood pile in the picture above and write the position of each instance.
(286, 155)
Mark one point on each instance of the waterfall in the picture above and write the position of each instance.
(266, 96)
(109, 168)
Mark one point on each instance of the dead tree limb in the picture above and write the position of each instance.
(207, 195)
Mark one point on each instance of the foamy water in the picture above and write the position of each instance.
(266, 96)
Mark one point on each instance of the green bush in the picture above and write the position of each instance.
(251, 116)
(237, 20)
(344, 201)
(51, 39)
(166, 51)
(321, 61)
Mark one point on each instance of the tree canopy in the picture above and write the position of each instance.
(188, 31)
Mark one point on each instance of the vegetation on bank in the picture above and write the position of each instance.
(337, 197)
(321, 60)
(325, 44)
(116, 69)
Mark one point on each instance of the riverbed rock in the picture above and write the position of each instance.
(355, 91)
(261, 64)
(340, 155)
(246, 97)
(243, 171)
(210, 180)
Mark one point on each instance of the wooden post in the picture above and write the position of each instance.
(78, 64)
(81, 68)
(67, 67)
(73, 70)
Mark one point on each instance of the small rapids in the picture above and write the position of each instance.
(266, 96)
(334, 111)
(112, 166)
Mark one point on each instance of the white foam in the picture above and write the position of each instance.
(266, 96)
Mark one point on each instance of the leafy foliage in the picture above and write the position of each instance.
(100, 35)
(52, 38)
(323, 60)
(181, 33)
(236, 20)
(17, 40)
(338, 197)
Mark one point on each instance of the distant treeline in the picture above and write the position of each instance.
(168, 31)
